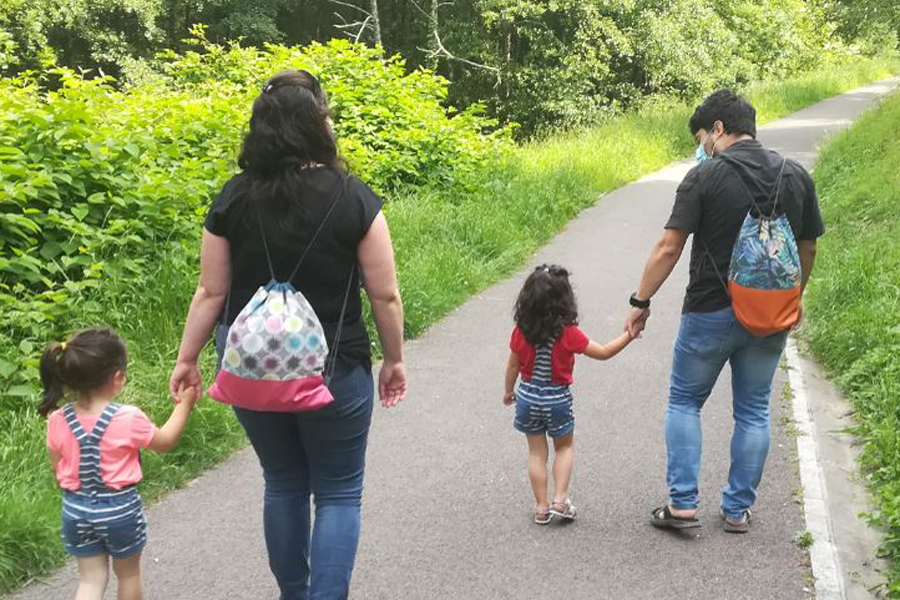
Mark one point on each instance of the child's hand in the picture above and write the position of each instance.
(636, 330)
(188, 395)
(509, 398)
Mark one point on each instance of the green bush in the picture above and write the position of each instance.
(95, 182)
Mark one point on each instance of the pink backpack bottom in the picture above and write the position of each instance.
(295, 395)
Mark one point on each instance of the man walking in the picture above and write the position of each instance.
(734, 173)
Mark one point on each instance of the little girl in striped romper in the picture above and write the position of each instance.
(543, 348)
(94, 448)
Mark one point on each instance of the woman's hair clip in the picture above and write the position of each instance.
(268, 88)
(63, 345)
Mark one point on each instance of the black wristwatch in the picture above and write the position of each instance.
(642, 304)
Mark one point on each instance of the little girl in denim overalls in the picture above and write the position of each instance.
(543, 348)
(94, 446)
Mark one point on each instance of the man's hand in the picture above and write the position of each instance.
(799, 322)
(509, 398)
(636, 321)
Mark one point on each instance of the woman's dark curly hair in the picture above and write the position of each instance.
(290, 131)
(546, 305)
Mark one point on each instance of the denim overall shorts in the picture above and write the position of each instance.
(543, 406)
(97, 519)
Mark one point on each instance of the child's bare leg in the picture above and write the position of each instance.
(93, 575)
(563, 460)
(537, 468)
(128, 576)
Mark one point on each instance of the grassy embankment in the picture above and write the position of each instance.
(449, 243)
(853, 304)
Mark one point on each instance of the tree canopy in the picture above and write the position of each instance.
(537, 62)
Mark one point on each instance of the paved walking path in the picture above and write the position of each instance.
(447, 503)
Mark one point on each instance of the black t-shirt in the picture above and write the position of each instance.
(711, 202)
(325, 271)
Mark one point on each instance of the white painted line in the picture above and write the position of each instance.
(823, 552)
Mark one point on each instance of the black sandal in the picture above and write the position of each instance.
(663, 518)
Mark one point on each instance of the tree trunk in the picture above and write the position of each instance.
(376, 21)
(434, 42)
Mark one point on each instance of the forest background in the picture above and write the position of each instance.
(485, 124)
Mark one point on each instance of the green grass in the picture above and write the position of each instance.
(853, 304)
(450, 244)
(803, 539)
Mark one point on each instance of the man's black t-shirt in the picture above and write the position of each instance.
(325, 271)
(711, 202)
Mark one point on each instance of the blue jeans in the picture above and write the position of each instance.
(706, 341)
(319, 453)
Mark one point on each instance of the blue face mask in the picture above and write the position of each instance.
(700, 153)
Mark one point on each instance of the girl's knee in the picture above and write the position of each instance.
(563, 442)
(127, 567)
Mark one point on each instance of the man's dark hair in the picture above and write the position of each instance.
(737, 115)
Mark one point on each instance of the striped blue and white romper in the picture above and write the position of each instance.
(97, 519)
(543, 406)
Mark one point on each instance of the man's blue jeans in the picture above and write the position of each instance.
(706, 341)
(320, 453)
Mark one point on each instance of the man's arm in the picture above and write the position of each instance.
(663, 258)
(807, 249)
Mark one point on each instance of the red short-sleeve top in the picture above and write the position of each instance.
(572, 341)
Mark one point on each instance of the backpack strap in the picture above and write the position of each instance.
(340, 327)
(262, 233)
(315, 236)
(776, 190)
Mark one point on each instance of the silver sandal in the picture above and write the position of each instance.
(563, 509)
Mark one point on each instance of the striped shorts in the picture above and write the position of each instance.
(543, 407)
(113, 524)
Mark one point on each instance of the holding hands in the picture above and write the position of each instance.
(636, 321)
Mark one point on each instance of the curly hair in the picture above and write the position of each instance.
(290, 130)
(546, 304)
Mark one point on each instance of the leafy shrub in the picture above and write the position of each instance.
(95, 182)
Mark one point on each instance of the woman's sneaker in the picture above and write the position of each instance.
(563, 509)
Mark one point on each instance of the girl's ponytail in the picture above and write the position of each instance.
(51, 377)
(83, 364)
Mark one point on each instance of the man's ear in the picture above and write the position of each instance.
(719, 128)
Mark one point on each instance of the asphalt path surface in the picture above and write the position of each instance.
(447, 505)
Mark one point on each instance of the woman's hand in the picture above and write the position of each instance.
(391, 383)
(509, 398)
(186, 374)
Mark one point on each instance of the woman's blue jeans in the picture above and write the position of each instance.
(706, 341)
(320, 453)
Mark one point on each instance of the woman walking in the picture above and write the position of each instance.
(294, 201)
